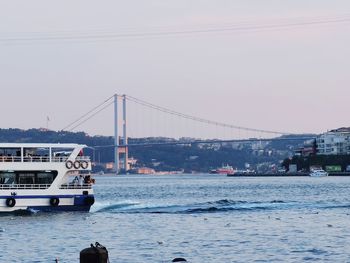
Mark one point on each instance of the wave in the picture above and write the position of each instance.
(107, 206)
(223, 205)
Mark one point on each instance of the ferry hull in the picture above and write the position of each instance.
(64, 208)
(43, 203)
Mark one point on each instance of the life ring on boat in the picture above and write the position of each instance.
(84, 164)
(89, 200)
(69, 164)
(76, 164)
(54, 201)
(10, 202)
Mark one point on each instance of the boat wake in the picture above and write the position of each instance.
(223, 205)
(107, 206)
(219, 206)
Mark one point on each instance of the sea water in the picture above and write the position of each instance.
(202, 218)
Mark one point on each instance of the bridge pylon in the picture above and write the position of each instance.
(120, 149)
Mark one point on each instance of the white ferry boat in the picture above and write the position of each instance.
(318, 173)
(45, 177)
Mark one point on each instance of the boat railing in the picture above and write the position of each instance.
(74, 186)
(10, 159)
(60, 159)
(83, 158)
(40, 159)
(24, 186)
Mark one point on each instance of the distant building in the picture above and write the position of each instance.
(307, 150)
(334, 142)
(145, 170)
(109, 166)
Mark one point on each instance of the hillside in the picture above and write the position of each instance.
(197, 157)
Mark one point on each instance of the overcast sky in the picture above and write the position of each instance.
(276, 65)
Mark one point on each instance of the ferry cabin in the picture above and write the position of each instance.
(45, 177)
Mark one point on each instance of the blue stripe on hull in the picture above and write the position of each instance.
(39, 196)
(63, 208)
(80, 203)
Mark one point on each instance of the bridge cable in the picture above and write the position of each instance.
(82, 122)
(202, 120)
(86, 114)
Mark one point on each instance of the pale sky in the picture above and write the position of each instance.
(290, 78)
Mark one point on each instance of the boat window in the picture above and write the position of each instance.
(45, 178)
(10, 154)
(36, 154)
(7, 178)
(26, 178)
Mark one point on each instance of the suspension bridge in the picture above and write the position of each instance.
(165, 126)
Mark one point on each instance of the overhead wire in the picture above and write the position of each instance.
(105, 35)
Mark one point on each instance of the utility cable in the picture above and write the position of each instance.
(113, 35)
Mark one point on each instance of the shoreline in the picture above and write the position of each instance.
(344, 174)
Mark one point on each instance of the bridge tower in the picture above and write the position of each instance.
(116, 134)
(120, 148)
(125, 138)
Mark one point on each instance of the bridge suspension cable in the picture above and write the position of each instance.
(202, 120)
(109, 101)
(88, 115)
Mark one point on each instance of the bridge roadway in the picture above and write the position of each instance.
(184, 142)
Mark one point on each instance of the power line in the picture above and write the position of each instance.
(67, 35)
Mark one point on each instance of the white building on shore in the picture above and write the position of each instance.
(334, 142)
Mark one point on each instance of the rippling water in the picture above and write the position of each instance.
(203, 218)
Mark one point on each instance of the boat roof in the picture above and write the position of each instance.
(42, 145)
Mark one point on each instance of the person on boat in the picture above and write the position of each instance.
(81, 180)
(87, 179)
(75, 180)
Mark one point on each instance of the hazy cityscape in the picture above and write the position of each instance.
(174, 131)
